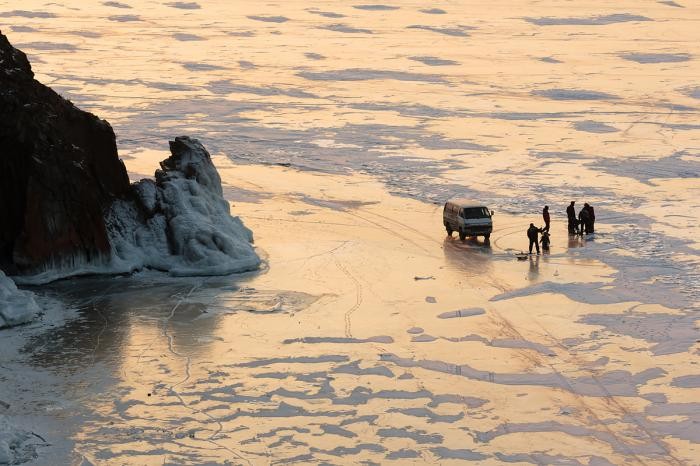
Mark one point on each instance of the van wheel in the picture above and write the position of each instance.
(462, 235)
(449, 230)
(487, 236)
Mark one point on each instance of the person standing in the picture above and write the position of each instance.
(532, 235)
(571, 215)
(584, 219)
(545, 241)
(591, 219)
(546, 218)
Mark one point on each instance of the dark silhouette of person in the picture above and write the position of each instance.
(571, 215)
(532, 235)
(546, 218)
(584, 219)
(545, 241)
(591, 219)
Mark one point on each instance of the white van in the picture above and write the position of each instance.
(467, 218)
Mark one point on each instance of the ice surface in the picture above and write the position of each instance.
(16, 307)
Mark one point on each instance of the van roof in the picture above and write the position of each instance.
(461, 202)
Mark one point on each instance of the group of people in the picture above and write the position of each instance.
(585, 223)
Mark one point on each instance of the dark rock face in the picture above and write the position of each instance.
(59, 173)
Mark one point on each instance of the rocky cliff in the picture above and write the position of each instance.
(59, 173)
(67, 207)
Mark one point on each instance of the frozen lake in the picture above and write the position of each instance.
(339, 129)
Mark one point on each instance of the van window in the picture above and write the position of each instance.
(475, 212)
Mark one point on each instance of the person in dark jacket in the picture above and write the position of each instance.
(571, 215)
(546, 218)
(591, 219)
(545, 241)
(584, 219)
(532, 235)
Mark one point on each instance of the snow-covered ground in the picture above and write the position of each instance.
(338, 130)
(15, 444)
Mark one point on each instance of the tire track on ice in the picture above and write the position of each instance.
(358, 297)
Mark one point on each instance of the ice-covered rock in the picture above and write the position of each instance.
(15, 447)
(180, 223)
(16, 307)
(67, 205)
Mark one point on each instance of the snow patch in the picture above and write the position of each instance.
(16, 307)
(14, 447)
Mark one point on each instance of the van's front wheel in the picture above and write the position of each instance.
(449, 230)
(462, 235)
(487, 236)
